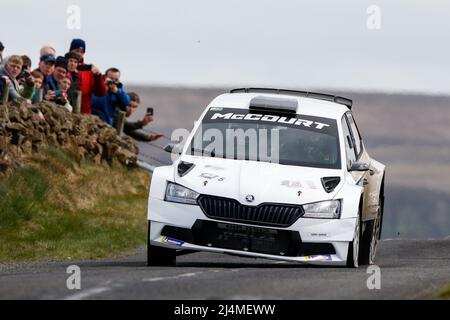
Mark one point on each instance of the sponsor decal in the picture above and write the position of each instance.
(172, 241)
(324, 257)
(319, 235)
(291, 184)
(296, 121)
(209, 176)
(208, 166)
(298, 184)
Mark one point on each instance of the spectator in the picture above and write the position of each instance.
(64, 85)
(73, 59)
(38, 79)
(107, 107)
(54, 92)
(47, 51)
(133, 129)
(9, 71)
(26, 70)
(38, 82)
(46, 67)
(2, 47)
(59, 72)
(90, 79)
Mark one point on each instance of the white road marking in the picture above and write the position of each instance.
(87, 293)
(183, 275)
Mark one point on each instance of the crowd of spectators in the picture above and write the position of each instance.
(58, 78)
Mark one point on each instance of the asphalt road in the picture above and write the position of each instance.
(409, 270)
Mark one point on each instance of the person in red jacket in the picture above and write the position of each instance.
(90, 79)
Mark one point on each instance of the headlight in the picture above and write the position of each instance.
(180, 194)
(323, 210)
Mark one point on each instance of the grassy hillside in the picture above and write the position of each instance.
(56, 208)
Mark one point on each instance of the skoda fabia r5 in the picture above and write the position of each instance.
(270, 173)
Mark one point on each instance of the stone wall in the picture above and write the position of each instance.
(26, 129)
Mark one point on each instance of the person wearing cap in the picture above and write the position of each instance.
(46, 67)
(90, 79)
(2, 47)
(73, 59)
(9, 71)
(59, 73)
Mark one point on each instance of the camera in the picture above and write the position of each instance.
(60, 98)
(59, 93)
(117, 83)
(150, 111)
(24, 76)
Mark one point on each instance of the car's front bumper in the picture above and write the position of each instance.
(336, 232)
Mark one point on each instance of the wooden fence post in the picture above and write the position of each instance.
(5, 92)
(121, 122)
(39, 95)
(77, 102)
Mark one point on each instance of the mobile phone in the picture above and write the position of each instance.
(150, 111)
(85, 67)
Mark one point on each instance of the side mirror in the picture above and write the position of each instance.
(172, 148)
(359, 166)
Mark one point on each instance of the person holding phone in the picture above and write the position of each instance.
(90, 79)
(133, 128)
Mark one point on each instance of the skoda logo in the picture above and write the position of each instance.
(250, 198)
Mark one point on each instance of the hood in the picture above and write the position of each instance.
(266, 182)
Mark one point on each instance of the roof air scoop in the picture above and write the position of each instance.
(271, 104)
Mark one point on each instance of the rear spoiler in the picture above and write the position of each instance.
(307, 94)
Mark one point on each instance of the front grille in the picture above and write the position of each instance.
(266, 214)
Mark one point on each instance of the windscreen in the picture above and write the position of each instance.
(289, 139)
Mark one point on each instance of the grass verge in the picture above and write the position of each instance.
(57, 208)
(445, 293)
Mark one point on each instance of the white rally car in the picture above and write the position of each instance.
(270, 173)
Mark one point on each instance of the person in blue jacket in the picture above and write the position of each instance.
(116, 99)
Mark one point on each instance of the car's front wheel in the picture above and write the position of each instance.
(370, 239)
(158, 256)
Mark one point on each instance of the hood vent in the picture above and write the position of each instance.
(330, 183)
(184, 168)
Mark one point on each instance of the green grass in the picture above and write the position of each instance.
(445, 293)
(56, 208)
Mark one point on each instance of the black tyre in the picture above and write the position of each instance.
(158, 256)
(370, 239)
(353, 246)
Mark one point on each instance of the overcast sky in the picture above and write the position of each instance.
(295, 44)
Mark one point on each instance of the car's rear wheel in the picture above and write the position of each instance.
(353, 246)
(158, 256)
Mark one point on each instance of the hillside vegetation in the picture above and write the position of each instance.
(56, 207)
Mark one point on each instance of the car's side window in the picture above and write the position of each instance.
(348, 140)
(355, 133)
